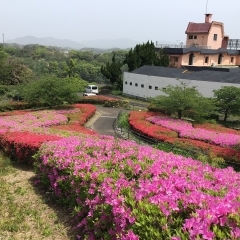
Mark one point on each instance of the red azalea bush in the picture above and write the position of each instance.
(137, 121)
(87, 111)
(106, 101)
(14, 112)
(218, 128)
(23, 145)
(75, 127)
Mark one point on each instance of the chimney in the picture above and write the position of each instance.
(208, 18)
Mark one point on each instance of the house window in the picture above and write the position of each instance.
(195, 37)
(125, 82)
(190, 37)
(130, 83)
(156, 88)
(175, 59)
(142, 85)
(232, 59)
(206, 59)
(215, 37)
(150, 87)
(136, 84)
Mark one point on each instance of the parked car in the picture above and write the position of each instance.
(91, 89)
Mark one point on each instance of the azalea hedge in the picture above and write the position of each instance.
(105, 101)
(22, 134)
(187, 130)
(204, 137)
(137, 121)
(120, 190)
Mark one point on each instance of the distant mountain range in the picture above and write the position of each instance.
(66, 43)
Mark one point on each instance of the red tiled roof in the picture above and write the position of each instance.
(198, 27)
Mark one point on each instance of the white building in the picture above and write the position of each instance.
(148, 81)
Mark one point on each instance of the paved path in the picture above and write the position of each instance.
(103, 121)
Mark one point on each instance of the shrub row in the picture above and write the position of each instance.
(138, 122)
(21, 144)
(120, 190)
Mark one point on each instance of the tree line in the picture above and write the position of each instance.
(185, 101)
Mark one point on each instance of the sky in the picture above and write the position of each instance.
(140, 20)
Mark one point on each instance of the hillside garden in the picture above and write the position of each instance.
(117, 189)
(89, 186)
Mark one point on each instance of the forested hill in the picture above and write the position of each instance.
(21, 63)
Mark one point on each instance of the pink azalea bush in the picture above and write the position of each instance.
(22, 134)
(186, 130)
(120, 190)
(32, 120)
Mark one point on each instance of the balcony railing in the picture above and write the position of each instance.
(179, 45)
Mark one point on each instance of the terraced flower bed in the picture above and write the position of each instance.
(187, 130)
(120, 190)
(21, 135)
(224, 143)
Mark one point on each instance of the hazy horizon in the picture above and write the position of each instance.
(79, 20)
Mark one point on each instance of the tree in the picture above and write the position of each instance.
(182, 99)
(112, 71)
(70, 67)
(14, 71)
(51, 91)
(228, 100)
(145, 54)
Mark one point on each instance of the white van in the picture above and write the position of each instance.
(92, 89)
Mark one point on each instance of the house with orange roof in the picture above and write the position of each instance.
(206, 45)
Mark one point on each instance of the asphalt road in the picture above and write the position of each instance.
(104, 124)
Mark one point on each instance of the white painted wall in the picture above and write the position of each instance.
(204, 87)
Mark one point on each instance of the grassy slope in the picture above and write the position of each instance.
(26, 211)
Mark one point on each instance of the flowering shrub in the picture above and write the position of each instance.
(106, 101)
(217, 128)
(137, 121)
(75, 127)
(87, 111)
(32, 120)
(22, 135)
(120, 190)
(15, 112)
(226, 153)
(23, 145)
(186, 130)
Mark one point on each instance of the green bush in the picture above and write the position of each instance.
(51, 91)
(116, 92)
(123, 120)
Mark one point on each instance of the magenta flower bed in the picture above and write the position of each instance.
(32, 120)
(22, 135)
(121, 190)
(186, 130)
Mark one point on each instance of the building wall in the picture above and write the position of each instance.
(202, 39)
(237, 60)
(199, 60)
(158, 83)
(215, 29)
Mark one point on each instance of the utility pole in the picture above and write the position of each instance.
(3, 39)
